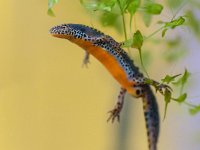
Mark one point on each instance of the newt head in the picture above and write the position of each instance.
(77, 31)
(60, 31)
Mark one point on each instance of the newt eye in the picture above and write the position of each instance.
(138, 92)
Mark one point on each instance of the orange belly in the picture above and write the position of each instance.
(109, 62)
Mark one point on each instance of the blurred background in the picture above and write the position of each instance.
(49, 102)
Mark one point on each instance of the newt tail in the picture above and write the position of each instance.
(121, 67)
(151, 115)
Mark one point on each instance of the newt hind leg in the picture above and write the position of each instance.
(115, 113)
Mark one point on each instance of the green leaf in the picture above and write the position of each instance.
(167, 96)
(153, 8)
(173, 24)
(137, 43)
(50, 12)
(128, 43)
(169, 78)
(137, 40)
(147, 18)
(51, 3)
(183, 80)
(185, 77)
(195, 110)
(124, 4)
(106, 5)
(149, 81)
(181, 98)
(103, 5)
(150, 8)
(133, 6)
(107, 16)
(91, 5)
(108, 19)
(164, 32)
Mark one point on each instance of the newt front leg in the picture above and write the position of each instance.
(86, 59)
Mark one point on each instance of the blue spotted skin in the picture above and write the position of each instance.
(108, 44)
(122, 58)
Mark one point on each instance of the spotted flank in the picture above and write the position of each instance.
(122, 58)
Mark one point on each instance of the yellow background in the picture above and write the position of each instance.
(47, 100)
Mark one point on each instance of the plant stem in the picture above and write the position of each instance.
(186, 103)
(132, 18)
(141, 60)
(130, 25)
(155, 32)
(189, 104)
(124, 24)
(123, 19)
(135, 25)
